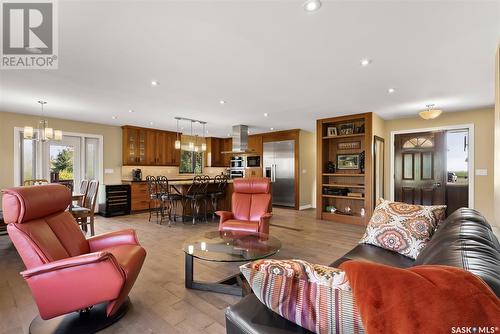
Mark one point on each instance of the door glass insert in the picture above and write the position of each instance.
(419, 142)
(427, 165)
(408, 166)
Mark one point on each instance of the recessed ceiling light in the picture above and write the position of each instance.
(229, 135)
(154, 83)
(222, 102)
(151, 123)
(271, 129)
(114, 117)
(391, 90)
(266, 114)
(365, 62)
(130, 111)
(312, 5)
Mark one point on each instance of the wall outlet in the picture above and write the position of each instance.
(481, 172)
(109, 171)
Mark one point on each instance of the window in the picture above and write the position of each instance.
(191, 162)
(419, 142)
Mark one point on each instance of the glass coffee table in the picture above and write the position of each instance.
(227, 246)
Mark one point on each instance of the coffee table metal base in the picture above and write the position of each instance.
(234, 285)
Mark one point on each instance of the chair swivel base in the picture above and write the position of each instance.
(79, 323)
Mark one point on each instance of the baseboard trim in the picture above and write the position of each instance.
(305, 207)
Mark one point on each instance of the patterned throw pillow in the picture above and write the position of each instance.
(315, 297)
(403, 228)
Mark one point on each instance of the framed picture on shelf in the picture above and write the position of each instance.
(352, 145)
(360, 129)
(331, 131)
(347, 129)
(347, 161)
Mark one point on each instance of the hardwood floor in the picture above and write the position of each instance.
(160, 303)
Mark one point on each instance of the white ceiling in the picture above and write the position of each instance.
(261, 57)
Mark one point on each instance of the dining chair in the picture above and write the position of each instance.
(84, 214)
(197, 194)
(170, 198)
(154, 196)
(218, 193)
(84, 187)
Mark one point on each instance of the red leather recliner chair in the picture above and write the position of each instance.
(250, 203)
(65, 271)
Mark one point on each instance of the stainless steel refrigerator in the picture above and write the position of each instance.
(279, 166)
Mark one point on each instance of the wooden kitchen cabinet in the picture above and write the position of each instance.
(227, 146)
(255, 144)
(215, 147)
(149, 147)
(139, 196)
(134, 146)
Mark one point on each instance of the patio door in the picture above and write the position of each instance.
(420, 168)
(65, 157)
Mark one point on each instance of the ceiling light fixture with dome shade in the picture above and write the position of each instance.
(430, 113)
(44, 132)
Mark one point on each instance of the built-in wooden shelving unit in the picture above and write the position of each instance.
(335, 185)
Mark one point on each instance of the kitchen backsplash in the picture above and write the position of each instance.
(169, 172)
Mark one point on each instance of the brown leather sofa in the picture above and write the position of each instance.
(464, 240)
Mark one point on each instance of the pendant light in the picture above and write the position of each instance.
(196, 147)
(44, 132)
(204, 144)
(191, 144)
(177, 144)
(430, 113)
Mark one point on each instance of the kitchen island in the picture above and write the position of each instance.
(140, 195)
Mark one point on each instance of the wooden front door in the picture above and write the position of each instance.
(420, 168)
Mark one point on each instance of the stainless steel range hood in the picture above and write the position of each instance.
(240, 141)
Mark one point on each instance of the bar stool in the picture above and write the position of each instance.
(218, 193)
(154, 196)
(196, 194)
(169, 199)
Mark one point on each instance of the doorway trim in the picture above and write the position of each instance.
(470, 164)
(17, 149)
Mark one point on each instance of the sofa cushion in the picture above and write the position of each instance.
(315, 297)
(402, 228)
(375, 254)
(465, 240)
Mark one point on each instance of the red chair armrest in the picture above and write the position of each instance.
(107, 240)
(76, 261)
(224, 215)
(75, 283)
(264, 223)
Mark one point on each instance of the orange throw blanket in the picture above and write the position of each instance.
(422, 299)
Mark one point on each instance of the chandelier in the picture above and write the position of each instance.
(44, 132)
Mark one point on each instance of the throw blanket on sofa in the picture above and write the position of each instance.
(422, 299)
